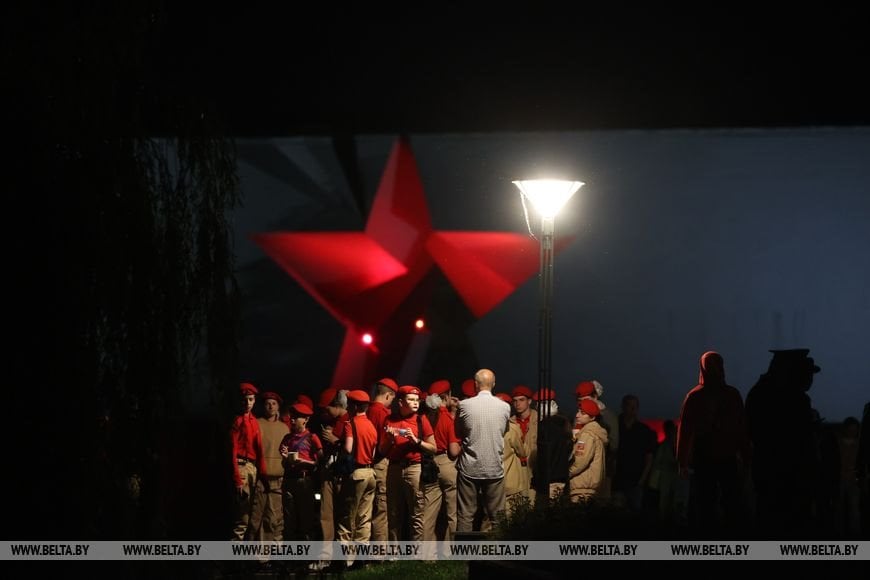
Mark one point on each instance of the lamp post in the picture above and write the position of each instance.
(548, 196)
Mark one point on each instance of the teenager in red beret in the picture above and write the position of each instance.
(590, 440)
(247, 458)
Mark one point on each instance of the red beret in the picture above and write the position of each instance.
(359, 396)
(544, 394)
(409, 390)
(504, 397)
(468, 388)
(301, 409)
(327, 396)
(522, 391)
(389, 383)
(585, 389)
(272, 395)
(439, 387)
(248, 389)
(590, 407)
(305, 399)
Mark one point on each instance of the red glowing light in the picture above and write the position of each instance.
(363, 278)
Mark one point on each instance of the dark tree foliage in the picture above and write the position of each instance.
(125, 314)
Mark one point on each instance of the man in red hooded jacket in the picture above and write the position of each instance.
(712, 446)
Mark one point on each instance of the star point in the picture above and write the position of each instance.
(363, 278)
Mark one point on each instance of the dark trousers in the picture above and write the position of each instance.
(715, 505)
(491, 494)
(299, 508)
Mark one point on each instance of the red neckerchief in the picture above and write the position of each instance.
(524, 425)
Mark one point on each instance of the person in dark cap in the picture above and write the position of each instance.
(786, 460)
(248, 459)
(796, 360)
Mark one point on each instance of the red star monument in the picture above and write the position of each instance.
(366, 279)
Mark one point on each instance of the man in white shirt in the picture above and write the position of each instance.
(481, 423)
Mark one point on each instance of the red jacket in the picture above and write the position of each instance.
(247, 444)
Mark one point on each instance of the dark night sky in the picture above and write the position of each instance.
(701, 225)
(634, 103)
(737, 240)
(449, 67)
(455, 68)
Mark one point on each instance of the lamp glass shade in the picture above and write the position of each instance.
(548, 195)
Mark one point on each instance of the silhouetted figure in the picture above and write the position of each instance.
(785, 456)
(863, 469)
(848, 499)
(637, 443)
(712, 447)
(827, 486)
(554, 455)
(664, 479)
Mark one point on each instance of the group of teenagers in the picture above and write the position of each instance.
(402, 463)
(397, 463)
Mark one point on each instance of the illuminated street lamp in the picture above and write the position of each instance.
(548, 196)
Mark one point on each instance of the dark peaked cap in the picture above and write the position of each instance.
(792, 358)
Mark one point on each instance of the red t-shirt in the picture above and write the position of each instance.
(444, 431)
(404, 449)
(366, 438)
(378, 415)
(337, 425)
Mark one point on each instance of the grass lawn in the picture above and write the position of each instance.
(446, 570)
